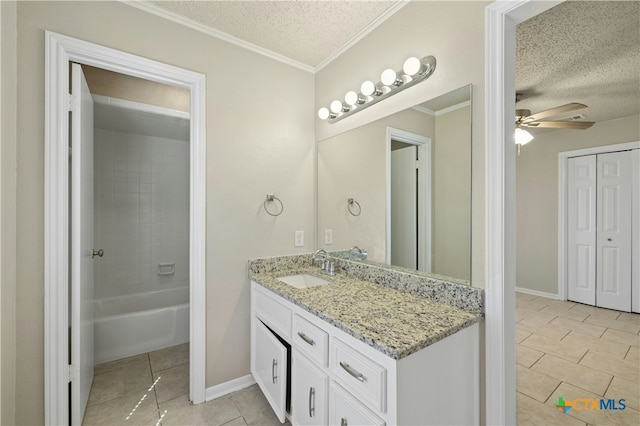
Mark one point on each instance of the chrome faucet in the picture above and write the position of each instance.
(359, 253)
(317, 254)
(328, 266)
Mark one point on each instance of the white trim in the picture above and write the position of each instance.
(59, 51)
(501, 17)
(424, 145)
(453, 108)
(228, 387)
(399, 4)
(138, 106)
(562, 203)
(537, 293)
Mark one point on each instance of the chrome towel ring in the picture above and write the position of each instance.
(350, 206)
(272, 198)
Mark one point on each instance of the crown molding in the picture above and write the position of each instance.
(174, 17)
(399, 4)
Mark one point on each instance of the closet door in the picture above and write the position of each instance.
(635, 225)
(613, 264)
(581, 226)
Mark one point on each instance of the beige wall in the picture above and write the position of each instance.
(259, 140)
(451, 194)
(537, 196)
(8, 67)
(353, 164)
(451, 31)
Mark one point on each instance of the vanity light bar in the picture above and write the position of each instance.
(391, 82)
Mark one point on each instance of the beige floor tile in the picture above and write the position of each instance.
(535, 413)
(563, 350)
(622, 337)
(521, 334)
(121, 363)
(633, 355)
(597, 344)
(627, 326)
(526, 357)
(623, 388)
(172, 383)
(630, 317)
(108, 386)
(618, 367)
(593, 417)
(534, 384)
(239, 421)
(133, 408)
(567, 313)
(532, 319)
(579, 326)
(558, 306)
(254, 407)
(548, 330)
(179, 411)
(169, 357)
(579, 375)
(596, 312)
(533, 304)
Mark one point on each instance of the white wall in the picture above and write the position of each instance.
(259, 140)
(537, 196)
(141, 212)
(451, 31)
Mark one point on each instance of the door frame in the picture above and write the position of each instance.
(59, 51)
(424, 146)
(563, 157)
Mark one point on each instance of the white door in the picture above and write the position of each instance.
(81, 244)
(613, 266)
(309, 393)
(581, 226)
(404, 207)
(635, 225)
(270, 368)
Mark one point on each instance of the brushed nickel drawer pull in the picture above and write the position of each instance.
(306, 338)
(274, 365)
(312, 402)
(352, 371)
(343, 421)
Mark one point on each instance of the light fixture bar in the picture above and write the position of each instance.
(423, 70)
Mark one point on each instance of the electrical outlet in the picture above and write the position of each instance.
(328, 236)
(299, 239)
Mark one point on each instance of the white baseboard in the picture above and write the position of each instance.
(227, 387)
(537, 293)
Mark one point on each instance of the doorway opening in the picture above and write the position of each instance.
(61, 52)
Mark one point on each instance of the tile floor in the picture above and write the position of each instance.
(152, 389)
(570, 350)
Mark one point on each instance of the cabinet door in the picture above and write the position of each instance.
(309, 392)
(346, 410)
(270, 367)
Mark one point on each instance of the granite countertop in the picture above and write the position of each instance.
(394, 322)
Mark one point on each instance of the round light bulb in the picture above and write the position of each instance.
(336, 107)
(368, 88)
(323, 113)
(388, 77)
(412, 66)
(351, 98)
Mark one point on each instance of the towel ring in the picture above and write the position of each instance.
(351, 202)
(270, 198)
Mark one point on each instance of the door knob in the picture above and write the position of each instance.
(609, 239)
(98, 253)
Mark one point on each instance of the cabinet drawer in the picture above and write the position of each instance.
(274, 314)
(360, 375)
(348, 411)
(311, 340)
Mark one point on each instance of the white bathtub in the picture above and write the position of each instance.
(139, 323)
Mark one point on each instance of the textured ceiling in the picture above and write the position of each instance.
(581, 51)
(305, 31)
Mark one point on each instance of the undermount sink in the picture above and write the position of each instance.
(303, 280)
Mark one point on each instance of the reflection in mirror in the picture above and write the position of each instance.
(410, 175)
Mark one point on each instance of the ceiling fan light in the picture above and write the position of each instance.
(522, 137)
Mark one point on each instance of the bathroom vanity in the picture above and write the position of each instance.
(358, 351)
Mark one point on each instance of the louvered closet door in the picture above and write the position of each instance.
(581, 226)
(613, 264)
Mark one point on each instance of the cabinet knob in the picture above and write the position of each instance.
(98, 253)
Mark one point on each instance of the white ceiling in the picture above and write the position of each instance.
(581, 51)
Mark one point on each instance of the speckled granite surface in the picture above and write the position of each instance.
(392, 311)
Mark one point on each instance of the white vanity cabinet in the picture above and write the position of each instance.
(337, 379)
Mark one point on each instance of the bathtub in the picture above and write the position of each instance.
(138, 323)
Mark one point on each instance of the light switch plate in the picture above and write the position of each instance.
(299, 239)
(328, 236)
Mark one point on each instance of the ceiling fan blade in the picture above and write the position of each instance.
(560, 124)
(554, 111)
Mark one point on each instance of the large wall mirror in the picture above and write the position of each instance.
(399, 189)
